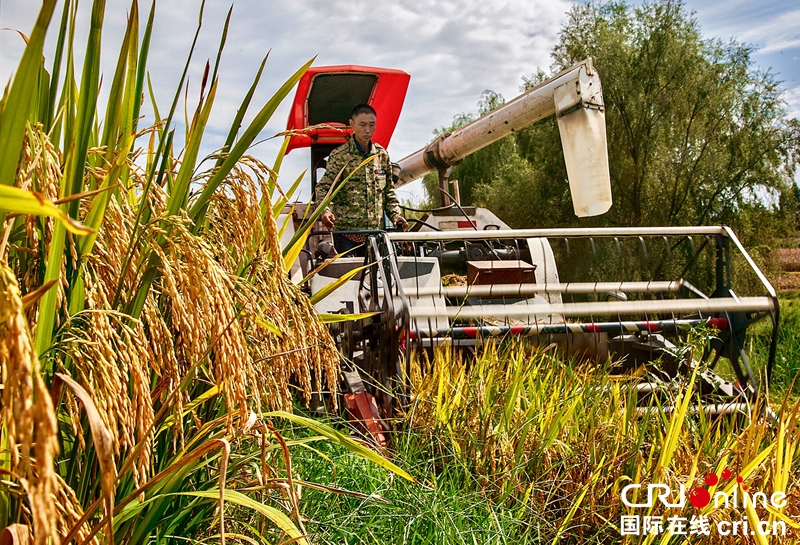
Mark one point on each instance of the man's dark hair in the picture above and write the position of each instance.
(363, 109)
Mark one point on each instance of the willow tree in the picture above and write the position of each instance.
(696, 132)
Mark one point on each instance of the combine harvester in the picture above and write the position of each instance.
(624, 293)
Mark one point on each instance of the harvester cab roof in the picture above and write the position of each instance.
(325, 98)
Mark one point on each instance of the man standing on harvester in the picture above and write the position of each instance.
(368, 193)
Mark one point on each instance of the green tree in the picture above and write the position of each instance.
(696, 133)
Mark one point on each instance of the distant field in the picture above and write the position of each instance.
(786, 265)
(787, 282)
(788, 259)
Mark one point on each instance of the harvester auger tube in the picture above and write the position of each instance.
(575, 97)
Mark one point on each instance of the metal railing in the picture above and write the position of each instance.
(608, 280)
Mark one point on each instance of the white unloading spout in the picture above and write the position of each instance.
(575, 96)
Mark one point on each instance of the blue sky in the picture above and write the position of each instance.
(453, 50)
(772, 26)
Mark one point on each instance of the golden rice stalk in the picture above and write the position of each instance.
(109, 358)
(236, 213)
(306, 354)
(44, 485)
(203, 316)
(27, 409)
(70, 512)
(17, 358)
(107, 262)
(39, 171)
(243, 233)
(111, 355)
(108, 255)
(149, 345)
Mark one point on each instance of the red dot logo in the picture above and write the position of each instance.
(712, 479)
(726, 473)
(700, 497)
(739, 479)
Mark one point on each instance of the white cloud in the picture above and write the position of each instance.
(777, 32)
(792, 98)
(452, 49)
(771, 26)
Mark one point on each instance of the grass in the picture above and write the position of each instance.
(522, 447)
(454, 510)
(787, 360)
(449, 509)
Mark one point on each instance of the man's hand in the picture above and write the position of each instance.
(400, 223)
(328, 219)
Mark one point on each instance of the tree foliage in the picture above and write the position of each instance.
(696, 133)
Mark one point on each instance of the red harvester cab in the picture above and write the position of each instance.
(325, 98)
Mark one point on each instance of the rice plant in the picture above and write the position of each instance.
(149, 333)
(556, 442)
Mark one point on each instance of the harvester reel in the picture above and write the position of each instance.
(514, 289)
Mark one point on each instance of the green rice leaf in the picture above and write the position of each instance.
(276, 166)
(342, 440)
(78, 136)
(329, 318)
(180, 190)
(18, 100)
(87, 106)
(237, 121)
(19, 201)
(222, 41)
(279, 518)
(283, 199)
(270, 326)
(141, 66)
(198, 210)
(330, 288)
(55, 72)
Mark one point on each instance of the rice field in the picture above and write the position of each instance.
(784, 260)
(788, 259)
(149, 376)
(521, 446)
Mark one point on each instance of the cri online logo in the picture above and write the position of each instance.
(701, 497)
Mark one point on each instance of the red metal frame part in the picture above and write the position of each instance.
(387, 97)
(363, 410)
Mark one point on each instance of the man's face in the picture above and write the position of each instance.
(363, 126)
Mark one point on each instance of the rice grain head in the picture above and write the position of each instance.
(27, 411)
(39, 171)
